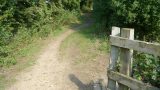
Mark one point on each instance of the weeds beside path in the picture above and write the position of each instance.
(86, 52)
(48, 73)
(54, 71)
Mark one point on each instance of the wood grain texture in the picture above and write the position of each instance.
(146, 47)
(126, 56)
(130, 82)
(113, 58)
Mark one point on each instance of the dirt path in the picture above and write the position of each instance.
(48, 73)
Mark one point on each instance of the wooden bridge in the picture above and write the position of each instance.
(122, 46)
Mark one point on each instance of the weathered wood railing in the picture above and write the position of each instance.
(122, 45)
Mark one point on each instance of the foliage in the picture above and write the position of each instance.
(146, 68)
(86, 5)
(144, 17)
(71, 4)
(66, 4)
(22, 20)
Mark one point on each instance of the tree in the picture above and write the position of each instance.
(142, 15)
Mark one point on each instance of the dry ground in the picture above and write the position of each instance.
(55, 72)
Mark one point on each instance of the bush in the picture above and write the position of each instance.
(86, 5)
(22, 20)
(71, 4)
(146, 68)
(144, 17)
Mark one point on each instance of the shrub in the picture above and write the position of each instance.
(144, 17)
(22, 20)
(146, 68)
(71, 4)
(86, 5)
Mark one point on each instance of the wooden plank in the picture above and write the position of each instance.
(130, 82)
(146, 47)
(126, 56)
(113, 58)
(114, 50)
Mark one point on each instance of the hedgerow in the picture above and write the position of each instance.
(144, 17)
(22, 20)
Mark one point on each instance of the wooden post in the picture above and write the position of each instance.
(113, 58)
(126, 56)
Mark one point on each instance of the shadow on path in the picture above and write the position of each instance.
(81, 86)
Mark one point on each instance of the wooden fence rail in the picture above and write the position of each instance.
(122, 45)
(137, 45)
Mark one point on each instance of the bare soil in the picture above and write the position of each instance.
(50, 73)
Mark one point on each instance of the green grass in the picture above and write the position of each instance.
(25, 57)
(5, 82)
(57, 32)
(85, 45)
(2, 80)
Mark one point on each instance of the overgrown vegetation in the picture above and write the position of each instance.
(23, 21)
(144, 17)
(23, 25)
(86, 5)
(147, 68)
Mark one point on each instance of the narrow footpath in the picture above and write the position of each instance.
(48, 73)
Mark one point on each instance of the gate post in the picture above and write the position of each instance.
(126, 56)
(113, 58)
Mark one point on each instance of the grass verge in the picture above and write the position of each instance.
(25, 57)
(88, 43)
(86, 51)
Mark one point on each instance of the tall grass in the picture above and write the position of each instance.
(23, 22)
